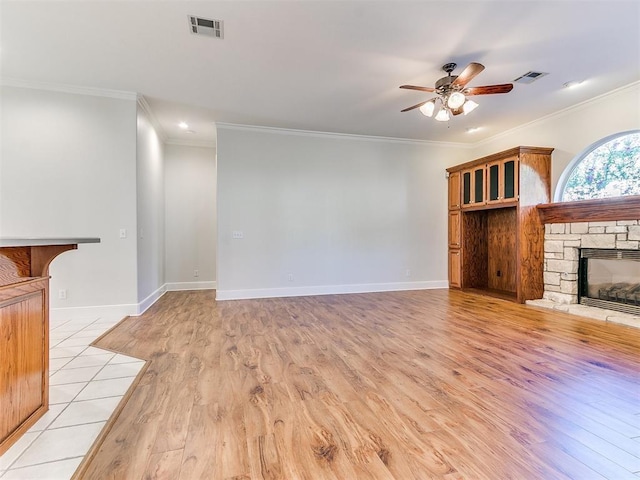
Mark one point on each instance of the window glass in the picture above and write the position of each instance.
(608, 168)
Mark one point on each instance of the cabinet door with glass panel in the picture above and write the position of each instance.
(502, 180)
(473, 186)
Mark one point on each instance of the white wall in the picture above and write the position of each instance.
(68, 165)
(150, 210)
(190, 227)
(338, 213)
(574, 129)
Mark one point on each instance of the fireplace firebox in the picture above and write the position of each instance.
(610, 279)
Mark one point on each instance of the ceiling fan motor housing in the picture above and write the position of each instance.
(444, 84)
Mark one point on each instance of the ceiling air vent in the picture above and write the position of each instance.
(530, 77)
(204, 26)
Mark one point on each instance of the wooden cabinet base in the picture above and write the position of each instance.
(25, 358)
(24, 336)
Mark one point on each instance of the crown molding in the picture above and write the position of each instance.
(64, 88)
(573, 108)
(146, 108)
(348, 136)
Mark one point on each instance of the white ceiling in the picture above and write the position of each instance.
(332, 66)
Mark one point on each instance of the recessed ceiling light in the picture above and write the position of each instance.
(472, 129)
(573, 84)
(183, 125)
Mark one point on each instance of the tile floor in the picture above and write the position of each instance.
(86, 385)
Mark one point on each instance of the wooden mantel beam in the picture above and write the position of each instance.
(596, 210)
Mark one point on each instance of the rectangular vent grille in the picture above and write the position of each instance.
(530, 77)
(204, 26)
(610, 254)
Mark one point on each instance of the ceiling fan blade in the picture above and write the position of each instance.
(422, 89)
(489, 89)
(417, 105)
(468, 74)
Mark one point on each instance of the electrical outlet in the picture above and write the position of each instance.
(62, 294)
(196, 273)
(237, 234)
(123, 233)
(290, 277)
(407, 273)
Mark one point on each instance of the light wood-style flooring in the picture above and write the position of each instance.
(431, 384)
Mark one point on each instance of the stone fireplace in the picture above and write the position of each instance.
(568, 246)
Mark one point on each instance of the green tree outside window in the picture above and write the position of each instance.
(609, 168)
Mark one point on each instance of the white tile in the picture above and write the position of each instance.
(60, 470)
(93, 331)
(89, 411)
(119, 358)
(70, 326)
(88, 337)
(59, 444)
(57, 322)
(83, 361)
(47, 418)
(74, 342)
(65, 393)
(73, 375)
(58, 337)
(94, 351)
(119, 370)
(58, 363)
(8, 457)
(105, 388)
(60, 352)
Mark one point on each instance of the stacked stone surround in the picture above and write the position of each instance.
(562, 242)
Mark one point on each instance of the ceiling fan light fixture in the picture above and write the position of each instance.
(456, 100)
(469, 106)
(428, 108)
(443, 115)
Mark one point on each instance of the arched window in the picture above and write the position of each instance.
(608, 168)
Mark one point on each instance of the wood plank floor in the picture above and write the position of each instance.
(406, 385)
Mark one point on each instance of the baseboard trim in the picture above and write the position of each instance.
(327, 290)
(126, 310)
(134, 310)
(151, 299)
(179, 286)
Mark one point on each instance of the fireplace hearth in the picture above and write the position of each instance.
(610, 278)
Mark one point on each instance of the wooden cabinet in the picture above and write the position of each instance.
(22, 339)
(454, 268)
(454, 228)
(496, 238)
(473, 186)
(24, 331)
(454, 190)
(502, 180)
(455, 217)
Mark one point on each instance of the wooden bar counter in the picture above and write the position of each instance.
(24, 330)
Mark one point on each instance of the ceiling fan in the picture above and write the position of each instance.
(453, 92)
